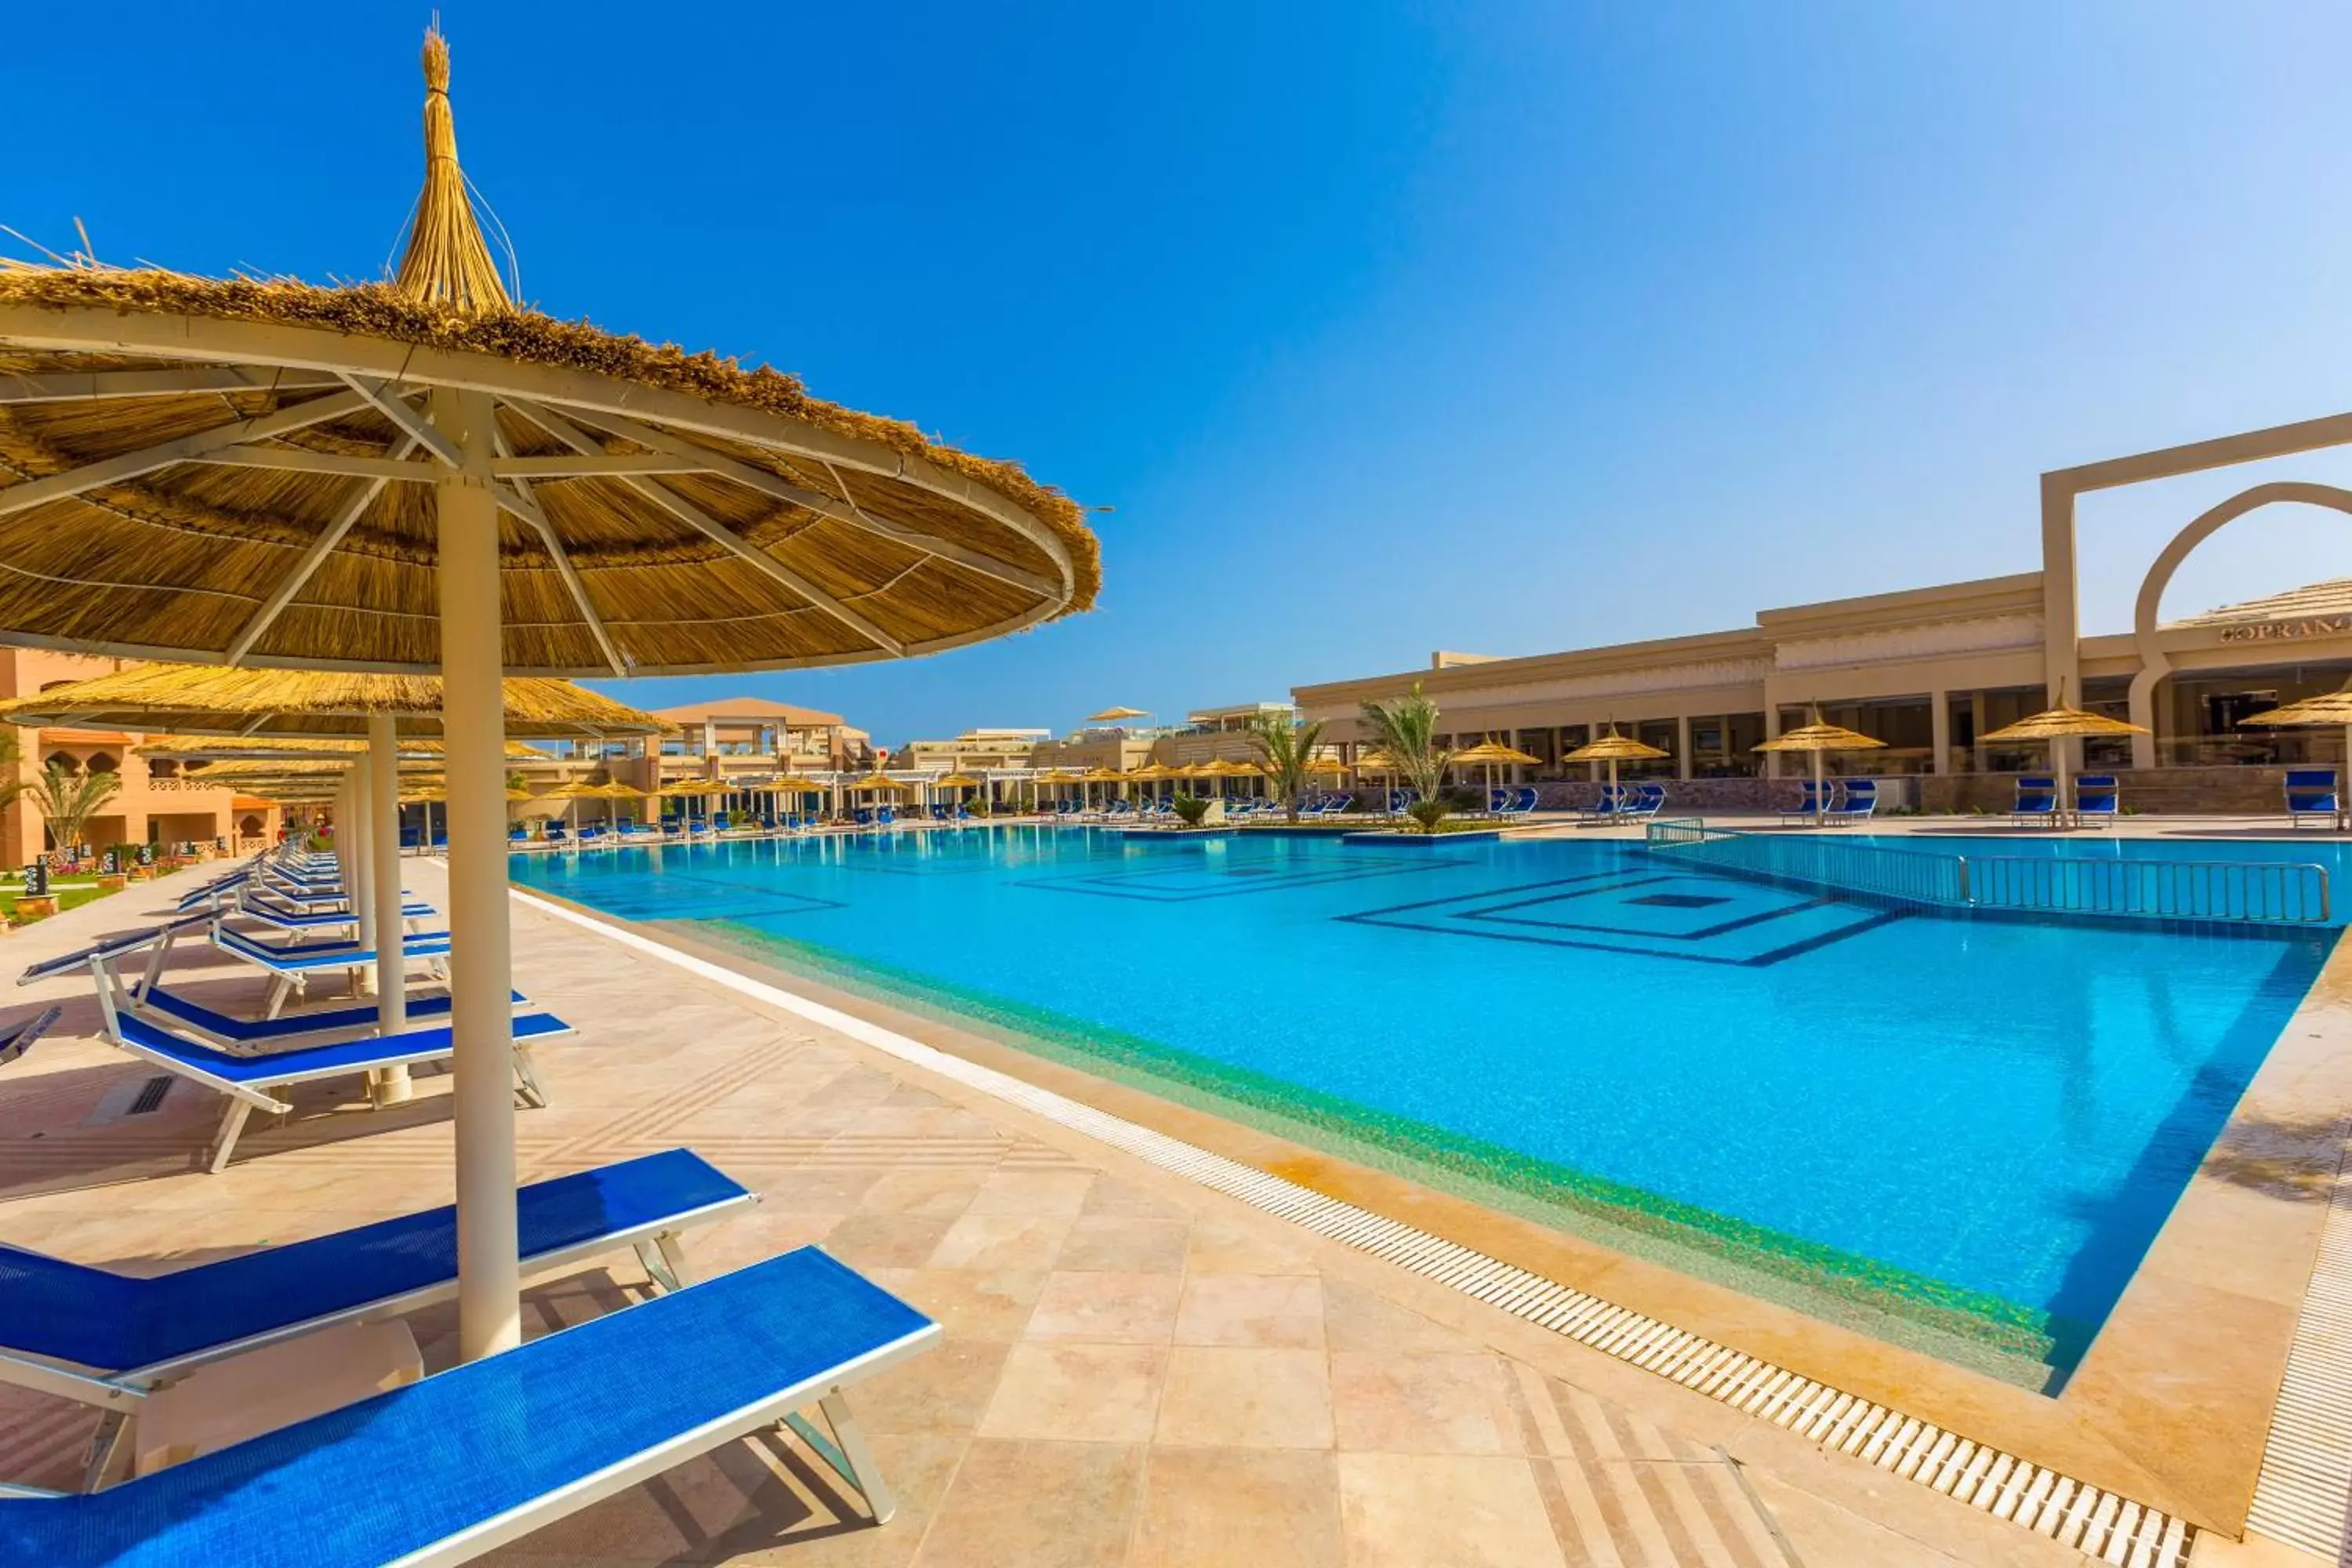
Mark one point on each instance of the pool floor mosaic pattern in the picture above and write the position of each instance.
(1995, 1118)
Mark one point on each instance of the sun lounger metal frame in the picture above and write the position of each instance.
(246, 1080)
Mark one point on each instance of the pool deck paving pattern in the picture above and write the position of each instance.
(1137, 1369)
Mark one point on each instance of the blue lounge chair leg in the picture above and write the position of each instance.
(232, 1122)
(847, 1452)
(107, 1446)
(662, 1261)
(532, 1095)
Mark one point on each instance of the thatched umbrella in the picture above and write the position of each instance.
(1117, 715)
(2058, 725)
(418, 475)
(1820, 740)
(1613, 749)
(1492, 754)
(2327, 711)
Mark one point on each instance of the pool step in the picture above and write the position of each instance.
(2107, 1526)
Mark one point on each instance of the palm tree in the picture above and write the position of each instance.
(10, 786)
(67, 800)
(1286, 752)
(1405, 730)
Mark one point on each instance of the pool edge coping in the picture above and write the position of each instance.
(1814, 1407)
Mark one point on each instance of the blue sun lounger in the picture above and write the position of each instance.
(247, 1081)
(289, 969)
(18, 1037)
(445, 1470)
(170, 1007)
(2036, 802)
(1813, 801)
(2311, 798)
(106, 1339)
(1857, 801)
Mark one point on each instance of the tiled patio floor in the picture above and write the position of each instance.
(1135, 1370)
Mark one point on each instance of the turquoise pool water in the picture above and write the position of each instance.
(1960, 1131)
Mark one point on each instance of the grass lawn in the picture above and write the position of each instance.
(69, 893)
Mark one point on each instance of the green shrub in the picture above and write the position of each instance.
(1429, 813)
(1190, 809)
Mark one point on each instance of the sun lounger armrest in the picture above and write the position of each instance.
(41, 1377)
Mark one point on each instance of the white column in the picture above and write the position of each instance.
(1939, 730)
(359, 867)
(489, 1284)
(1682, 746)
(384, 868)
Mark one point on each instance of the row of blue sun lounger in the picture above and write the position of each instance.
(448, 1469)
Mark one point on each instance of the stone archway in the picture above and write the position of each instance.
(2154, 664)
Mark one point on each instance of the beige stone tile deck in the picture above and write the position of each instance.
(1135, 1370)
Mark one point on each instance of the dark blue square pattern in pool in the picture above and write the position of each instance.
(2004, 1110)
(1734, 923)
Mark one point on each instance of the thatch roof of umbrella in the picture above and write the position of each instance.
(224, 748)
(1150, 770)
(241, 470)
(1326, 765)
(1493, 753)
(1822, 737)
(1230, 768)
(683, 789)
(1375, 762)
(300, 768)
(192, 700)
(1058, 776)
(956, 780)
(2060, 723)
(1615, 748)
(796, 781)
(876, 781)
(1113, 715)
(2330, 707)
(1104, 775)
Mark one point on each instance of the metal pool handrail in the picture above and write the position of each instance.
(2248, 892)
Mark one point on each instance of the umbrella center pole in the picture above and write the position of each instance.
(489, 1284)
(392, 1085)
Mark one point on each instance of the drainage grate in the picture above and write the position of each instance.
(2101, 1523)
(151, 1094)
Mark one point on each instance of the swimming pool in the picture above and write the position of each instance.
(1959, 1133)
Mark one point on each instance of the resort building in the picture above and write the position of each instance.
(159, 802)
(1929, 670)
(974, 749)
(1207, 735)
(745, 740)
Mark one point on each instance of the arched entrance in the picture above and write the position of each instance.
(2154, 664)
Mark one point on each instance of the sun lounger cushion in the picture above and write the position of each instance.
(314, 1061)
(114, 1322)
(458, 1453)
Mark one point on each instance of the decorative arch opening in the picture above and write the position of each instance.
(2154, 664)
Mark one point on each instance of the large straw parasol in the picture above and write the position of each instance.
(2059, 724)
(1492, 754)
(1820, 740)
(2327, 710)
(195, 700)
(1113, 715)
(1613, 749)
(417, 475)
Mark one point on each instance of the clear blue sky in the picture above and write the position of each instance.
(1504, 328)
